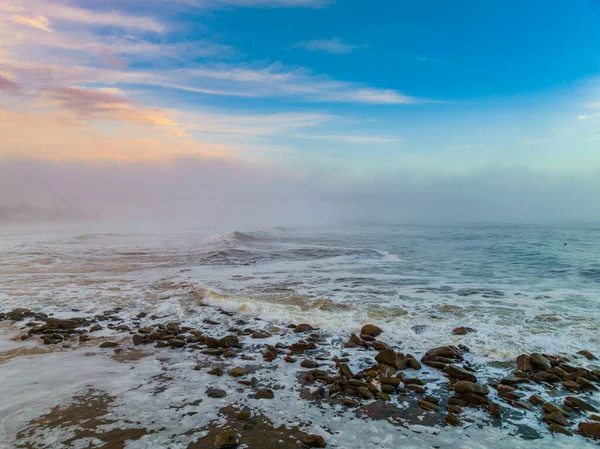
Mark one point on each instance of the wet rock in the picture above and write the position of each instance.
(216, 393)
(513, 380)
(177, 342)
(379, 345)
(590, 429)
(389, 389)
(524, 363)
(228, 341)
(454, 408)
(84, 337)
(419, 328)
(426, 405)
(394, 381)
(211, 343)
(587, 354)
(216, 371)
(549, 408)
(452, 419)
(495, 409)
(571, 385)
(300, 328)
(556, 417)
(138, 339)
(350, 402)
(414, 363)
(238, 372)
(465, 387)
(365, 393)
(109, 344)
(264, 394)
(463, 330)
(313, 441)
(448, 352)
(309, 364)
(539, 361)
(579, 404)
(161, 344)
(95, 328)
(586, 384)
(371, 330)
(416, 388)
(345, 370)
(226, 439)
(173, 327)
(244, 415)
(228, 353)
(302, 346)
(289, 359)
(523, 405)
(509, 395)
(388, 357)
(557, 428)
(259, 335)
(459, 373)
(383, 396)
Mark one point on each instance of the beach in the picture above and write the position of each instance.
(174, 338)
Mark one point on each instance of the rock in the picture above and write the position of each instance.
(216, 371)
(238, 372)
(365, 393)
(300, 328)
(173, 327)
(549, 408)
(289, 359)
(586, 384)
(452, 419)
(109, 344)
(513, 380)
(259, 335)
(425, 405)
(371, 330)
(587, 354)
(495, 410)
(448, 352)
(161, 344)
(177, 342)
(313, 441)
(579, 404)
(95, 328)
(244, 415)
(536, 399)
(416, 388)
(228, 353)
(350, 402)
(539, 361)
(459, 373)
(419, 328)
(524, 363)
(84, 337)
(345, 370)
(523, 405)
(571, 385)
(228, 341)
(394, 381)
(557, 428)
(308, 364)
(454, 408)
(383, 396)
(226, 439)
(464, 387)
(388, 357)
(463, 330)
(414, 363)
(264, 394)
(216, 393)
(556, 417)
(389, 389)
(138, 339)
(590, 429)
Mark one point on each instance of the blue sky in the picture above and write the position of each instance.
(348, 90)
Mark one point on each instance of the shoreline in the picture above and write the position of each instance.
(246, 364)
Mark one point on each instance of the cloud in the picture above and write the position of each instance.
(7, 85)
(60, 12)
(348, 138)
(40, 22)
(335, 46)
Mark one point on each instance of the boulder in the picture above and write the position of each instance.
(365, 393)
(463, 330)
(109, 344)
(465, 387)
(303, 327)
(226, 439)
(388, 357)
(216, 393)
(264, 394)
(587, 354)
(371, 330)
(579, 404)
(452, 419)
(459, 373)
(524, 363)
(228, 341)
(313, 441)
(539, 361)
(590, 429)
(238, 372)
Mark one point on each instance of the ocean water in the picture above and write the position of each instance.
(523, 288)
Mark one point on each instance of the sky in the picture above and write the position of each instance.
(340, 109)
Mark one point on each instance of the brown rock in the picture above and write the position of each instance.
(587, 354)
(137, 339)
(459, 373)
(388, 357)
(313, 441)
(452, 419)
(465, 387)
(109, 344)
(244, 415)
(536, 399)
(264, 394)
(216, 371)
(549, 408)
(177, 342)
(238, 372)
(394, 381)
(579, 404)
(524, 363)
(556, 417)
(586, 384)
(259, 334)
(539, 361)
(463, 330)
(228, 341)
(365, 393)
(590, 429)
(425, 405)
(226, 439)
(557, 428)
(495, 410)
(454, 408)
(371, 330)
(308, 364)
(300, 328)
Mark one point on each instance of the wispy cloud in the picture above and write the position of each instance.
(40, 22)
(259, 3)
(335, 46)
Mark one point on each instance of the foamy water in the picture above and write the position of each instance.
(521, 288)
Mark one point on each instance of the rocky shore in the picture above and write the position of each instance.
(361, 371)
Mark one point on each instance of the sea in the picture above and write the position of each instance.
(523, 288)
